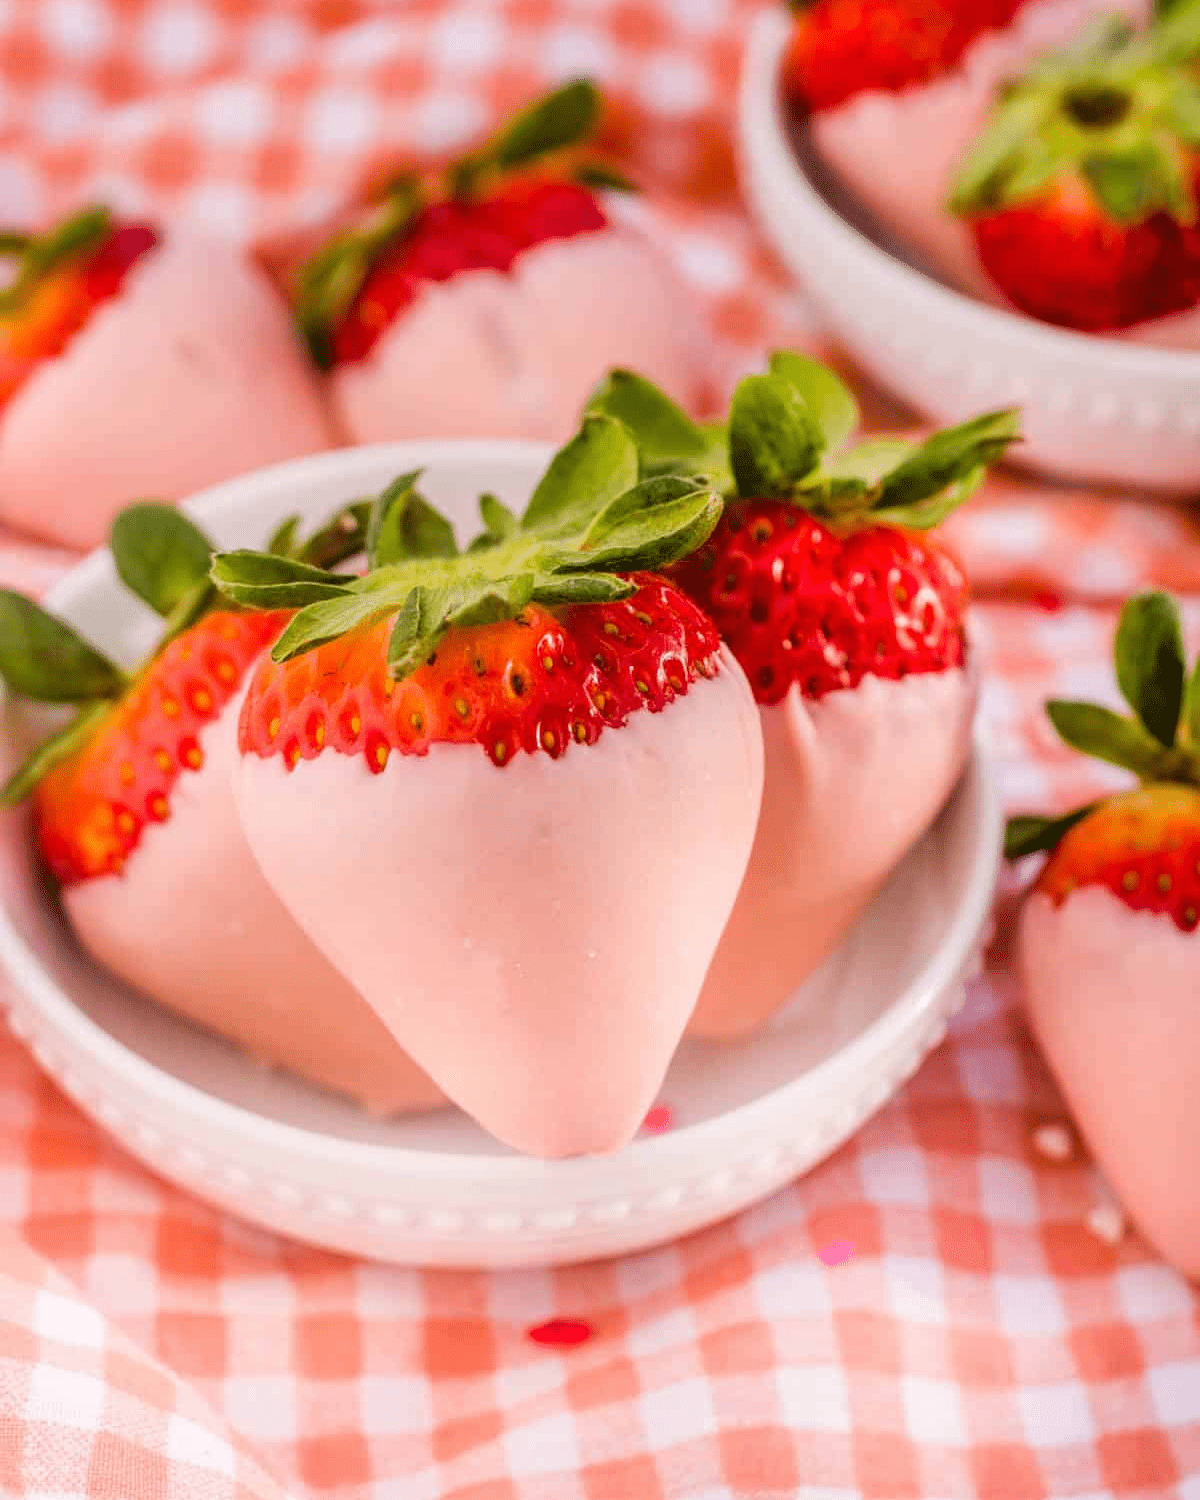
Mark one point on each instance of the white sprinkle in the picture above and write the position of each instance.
(1107, 1223)
(1054, 1143)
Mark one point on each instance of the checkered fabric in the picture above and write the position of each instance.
(982, 1341)
(82, 1412)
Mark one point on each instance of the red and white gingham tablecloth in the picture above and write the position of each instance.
(981, 1341)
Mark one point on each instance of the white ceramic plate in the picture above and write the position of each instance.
(437, 1190)
(1095, 409)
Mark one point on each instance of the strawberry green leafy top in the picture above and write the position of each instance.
(1159, 741)
(788, 437)
(1118, 110)
(163, 558)
(591, 518)
(559, 123)
(35, 257)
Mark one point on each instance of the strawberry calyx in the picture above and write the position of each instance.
(1159, 741)
(36, 257)
(165, 559)
(54, 284)
(788, 438)
(548, 132)
(1113, 120)
(591, 520)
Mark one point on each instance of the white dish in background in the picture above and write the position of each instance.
(436, 1190)
(1095, 409)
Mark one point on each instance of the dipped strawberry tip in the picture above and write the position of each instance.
(542, 143)
(591, 521)
(163, 558)
(788, 436)
(1159, 740)
(1113, 118)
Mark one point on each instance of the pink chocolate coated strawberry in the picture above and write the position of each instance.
(1081, 195)
(897, 143)
(134, 815)
(167, 359)
(1108, 944)
(511, 792)
(849, 620)
(487, 300)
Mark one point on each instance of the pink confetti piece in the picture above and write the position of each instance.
(836, 1254)
(1054, 1143)
(659, 1120)
(1107, 1223)
(561, 1333)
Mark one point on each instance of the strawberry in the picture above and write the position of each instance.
(842, 48)
(143, 346)
(485, 299)
(1081, 193)
(448, 238)
(849, 621)
(801, 603)
(510, 792)
(59, 280)
(92, 807)
(481, 213)
(133, 811)
(1107, 943)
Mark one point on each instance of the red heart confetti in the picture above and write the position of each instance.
(659, 1120)
(561, 1333)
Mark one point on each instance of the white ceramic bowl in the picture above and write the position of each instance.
(1095, 409)
(437, 1190)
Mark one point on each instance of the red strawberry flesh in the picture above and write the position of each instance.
(92, 809)
(536, 683)
(454, 236)
(797, 603)
(841, 48)
(1062, 260)
(1143, 846)
(61, 303)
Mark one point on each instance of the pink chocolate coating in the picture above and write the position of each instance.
(1112, 995)
(190, 375)
(1179, 331)
(851, 782)
(192, 923)
(516, 354)
(537, 934)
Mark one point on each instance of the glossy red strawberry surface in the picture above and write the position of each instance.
(91, 809)
(60, 304)
(1063, 260)
(1143, 846)
(468, 235)
(841, 48)
(539, 682)
(797, 603)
